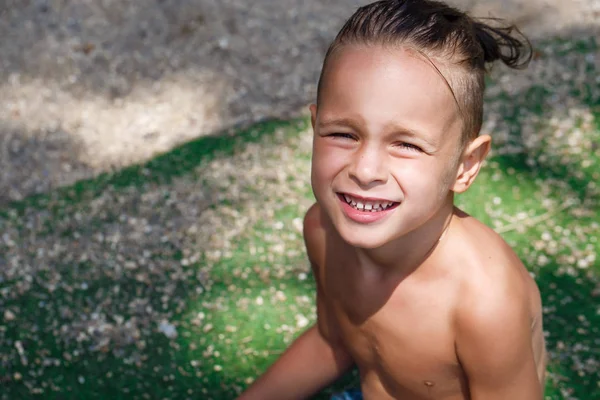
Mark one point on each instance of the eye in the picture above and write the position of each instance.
(408, 146)
(341, 135)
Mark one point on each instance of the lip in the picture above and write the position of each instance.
(364, 217)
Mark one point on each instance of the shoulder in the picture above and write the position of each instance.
(494, 314)
(314, 234)
(312, 219)
(493, 306)
(493, 283)
(494, 290)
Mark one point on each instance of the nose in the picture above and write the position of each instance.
(368, 168)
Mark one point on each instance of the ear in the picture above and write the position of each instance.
(471, 161)
(313, 115)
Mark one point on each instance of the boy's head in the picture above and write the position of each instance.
(457, 46)
(397, 117)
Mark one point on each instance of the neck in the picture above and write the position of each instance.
(405, 254)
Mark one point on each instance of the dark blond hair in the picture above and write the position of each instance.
(459, 44)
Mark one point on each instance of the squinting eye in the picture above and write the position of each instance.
(409, 146)
(341, 135)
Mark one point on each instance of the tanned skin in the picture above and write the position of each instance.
(425, 300)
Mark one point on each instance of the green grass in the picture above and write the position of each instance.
(235, 312)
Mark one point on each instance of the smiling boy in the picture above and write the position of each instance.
(425, 300)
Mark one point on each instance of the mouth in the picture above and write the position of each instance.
(367, 205)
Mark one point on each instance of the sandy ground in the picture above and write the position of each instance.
(87, 86)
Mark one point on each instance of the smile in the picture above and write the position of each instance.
(366, 210)
(368, 205)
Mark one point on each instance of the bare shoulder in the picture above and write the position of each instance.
(495, 283)
(498, 339)
(314, 235)
(314, 238)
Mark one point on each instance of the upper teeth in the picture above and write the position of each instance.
(368, 205)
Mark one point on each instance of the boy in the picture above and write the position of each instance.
(426, 301)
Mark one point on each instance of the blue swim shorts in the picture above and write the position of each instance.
(348, 395)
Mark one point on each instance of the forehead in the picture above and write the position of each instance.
(384, 85)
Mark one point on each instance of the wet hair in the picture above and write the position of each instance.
(458, 46)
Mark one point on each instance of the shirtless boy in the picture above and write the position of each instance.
(425, 300)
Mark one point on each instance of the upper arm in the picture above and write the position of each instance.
(494, 346)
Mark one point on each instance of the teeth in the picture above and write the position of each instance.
(371, 207)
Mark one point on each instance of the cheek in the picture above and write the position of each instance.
(449, 177)
(319, 172)
(327, 162)
(421, 180)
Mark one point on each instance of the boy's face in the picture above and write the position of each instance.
(386, 144)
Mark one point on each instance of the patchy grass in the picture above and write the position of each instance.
(186, 277)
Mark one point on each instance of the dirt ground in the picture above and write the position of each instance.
(89, 85)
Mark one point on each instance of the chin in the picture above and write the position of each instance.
(368, 239)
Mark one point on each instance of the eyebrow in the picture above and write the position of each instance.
(340, 122)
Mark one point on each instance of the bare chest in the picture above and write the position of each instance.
(401, 337)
